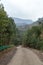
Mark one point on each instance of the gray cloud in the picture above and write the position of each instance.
(29, 9)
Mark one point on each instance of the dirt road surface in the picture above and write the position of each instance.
(25, 56)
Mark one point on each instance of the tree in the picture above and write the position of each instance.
(7, 28)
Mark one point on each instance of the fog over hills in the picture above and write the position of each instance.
(22, 22)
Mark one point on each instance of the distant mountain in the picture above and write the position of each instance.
(23, 25)
(22, 22)
(27, 26)
(33, 24)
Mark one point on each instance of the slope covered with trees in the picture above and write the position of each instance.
(7, 28)
(34, 36)
(10, 35)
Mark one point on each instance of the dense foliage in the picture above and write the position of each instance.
(7, 28)
(34, 36)
(10, 35)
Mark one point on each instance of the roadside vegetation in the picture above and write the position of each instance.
(7, 30)
(34, 37)
(10, 35)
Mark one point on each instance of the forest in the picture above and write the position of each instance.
(7, 29)
(9, 34)
(33, 37)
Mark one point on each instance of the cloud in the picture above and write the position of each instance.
(29, 9)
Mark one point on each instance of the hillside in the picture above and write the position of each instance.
(22, 22)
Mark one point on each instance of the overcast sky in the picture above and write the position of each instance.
(26, 9)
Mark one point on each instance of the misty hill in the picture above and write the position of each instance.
(22, 22)
(23, 25)
(27, 26)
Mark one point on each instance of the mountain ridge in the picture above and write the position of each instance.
(24, 24)
(21, 22)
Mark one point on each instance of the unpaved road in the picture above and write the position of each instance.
(25, 56)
